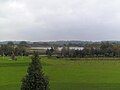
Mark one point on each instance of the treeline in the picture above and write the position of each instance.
(18, 50)
(103, 49)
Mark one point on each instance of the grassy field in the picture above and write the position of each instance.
(64, 74)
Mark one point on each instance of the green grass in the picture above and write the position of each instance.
(64, 74)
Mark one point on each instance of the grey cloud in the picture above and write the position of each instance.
(59, 19)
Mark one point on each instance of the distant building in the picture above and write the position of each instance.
(42, 50)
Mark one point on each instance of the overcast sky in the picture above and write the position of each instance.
(38, 20)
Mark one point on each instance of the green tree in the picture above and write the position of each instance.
(50, 52)
(65, 51)
(7, 50)
(10, 43)
(35, 78)
(13, 56)
(23, 43)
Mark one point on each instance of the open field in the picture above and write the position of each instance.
(64, 74)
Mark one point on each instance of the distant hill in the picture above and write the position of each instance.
(15, 42)
(61, 43)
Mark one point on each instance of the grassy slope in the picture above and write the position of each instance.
(64, 74)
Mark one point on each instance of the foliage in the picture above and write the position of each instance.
(9, 48)
(104, 49)
(50, 52)
(35, 79)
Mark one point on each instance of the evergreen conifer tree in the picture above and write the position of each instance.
(35, 78)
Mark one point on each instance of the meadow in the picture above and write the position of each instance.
(64, 74)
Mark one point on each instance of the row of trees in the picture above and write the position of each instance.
(105, 49)
(9, 48)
